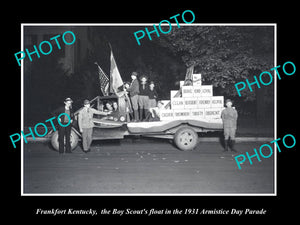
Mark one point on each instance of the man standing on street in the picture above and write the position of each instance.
(64, 133)
(229, 117)
(86, 124)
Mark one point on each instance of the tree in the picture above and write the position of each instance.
(223, 54)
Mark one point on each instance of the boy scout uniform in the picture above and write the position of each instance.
(134, 91)
(229, 117)
(86, 124)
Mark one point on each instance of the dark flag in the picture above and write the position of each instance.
(104, 81)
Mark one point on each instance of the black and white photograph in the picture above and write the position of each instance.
(150, 111)
(113, 112)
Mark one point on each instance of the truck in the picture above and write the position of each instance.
(181, 124)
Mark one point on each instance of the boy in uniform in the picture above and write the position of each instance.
(134, 91)
(86, 124)
(152, 95)
(144, 98)
(229, 117)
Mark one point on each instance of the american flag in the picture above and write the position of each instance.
(104, 81)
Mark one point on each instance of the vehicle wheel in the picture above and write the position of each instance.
(186, 139)
(73, 140)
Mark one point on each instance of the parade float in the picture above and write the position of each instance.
(191, 110)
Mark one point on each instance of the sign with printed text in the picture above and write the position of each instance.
(217, 101)
(207, 90)
(197, 79)
(182, 113)
(204, 102)
(177, 103)
(190, 103)
(197, 113)
(187, 91)
(213, 113)
(166, 115)
(197, 91)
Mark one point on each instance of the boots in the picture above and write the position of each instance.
(136, 115)
(232, 143)
(147, 115)
(141, 114)
(226, 146)
(130, 117)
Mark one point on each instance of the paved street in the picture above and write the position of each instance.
(144, 166)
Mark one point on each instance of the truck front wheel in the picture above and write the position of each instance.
(186, 138)
(73, 140)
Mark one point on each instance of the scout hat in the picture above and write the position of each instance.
(85, 102)
(68, 100)
(143, 76)
(228, 100)
(134, 74)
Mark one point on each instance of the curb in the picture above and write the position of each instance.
(201, 139)
(239, 139)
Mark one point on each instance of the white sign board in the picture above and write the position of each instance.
(187, 91)
(182, 113)
(197, 91)
(181, 83)
(173, 93)
(166, 115)
(204, 102)
(206, 90)
(197, 79)
(177, 103)
(190, 103)
(165, 102)
(197, 113)
(213, 113)
(217, 101)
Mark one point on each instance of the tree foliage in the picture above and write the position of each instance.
(224, 55)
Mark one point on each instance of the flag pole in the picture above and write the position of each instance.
(125, 93)
(109, 45)
(111, 52)
(188, 78)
